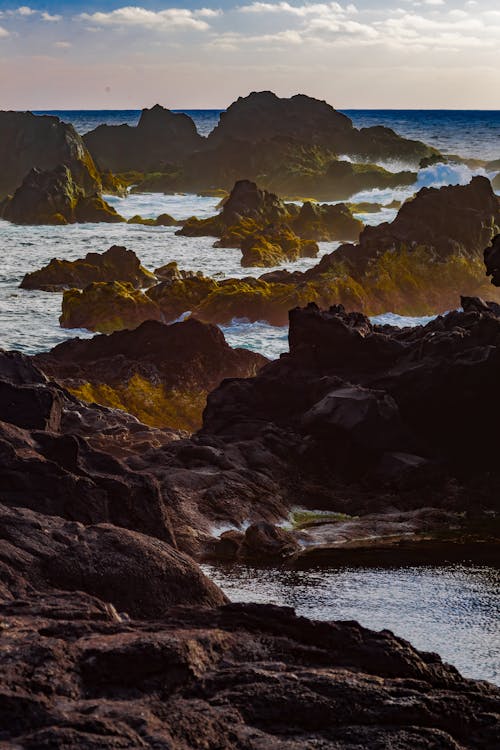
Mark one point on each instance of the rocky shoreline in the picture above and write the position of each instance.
(122, 457)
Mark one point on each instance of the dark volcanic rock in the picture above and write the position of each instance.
(425, 220)
(136, 573)
(161, 137)
(351, 396)
(29, 141)
(116, 264)
(160, 373)
(240, 677)
(262, 115)
(56, 197)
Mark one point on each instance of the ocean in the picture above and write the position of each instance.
(473, 134)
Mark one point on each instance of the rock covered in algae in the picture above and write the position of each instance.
(115, 264)
(107, 306)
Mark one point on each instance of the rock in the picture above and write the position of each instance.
(275, 245)
(238, 676)
(116, 264)
(107, 306)
(263, 115)
(137, 574)
(160, 137)
(54, 197)
(492, 260)
(327, 222)
(246, 201)
(32, 407)
(163, 220)
(43, 143)
(280, 164)
(159, 373)
(350, 395)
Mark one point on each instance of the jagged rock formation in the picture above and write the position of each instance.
(107, 306)
(161, 374)
(237, 677)
(417, 265)
(290, 146)
(161, 137)
(30, 141)
(116, 264)
(55, 197)
(93, 505)
(263, 115)
(270, 232)
(282, 165)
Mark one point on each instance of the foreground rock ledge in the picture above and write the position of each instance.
(75, 674)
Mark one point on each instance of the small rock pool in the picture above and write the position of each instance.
(453, 610)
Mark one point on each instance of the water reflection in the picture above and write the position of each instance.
(452, 610)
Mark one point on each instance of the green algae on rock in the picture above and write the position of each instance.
(107, 307)
(115, 264)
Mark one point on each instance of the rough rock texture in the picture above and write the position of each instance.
(107, 306)
(159, 373)
(280, 164)
(116, 264)
(242, 677)
(161, 137)
(29, 141)
(262, 115)
(274, 245)
(246, 201)
(270, 232)
(94, 653)
(366, 411)
(326, 222)
(56, 197)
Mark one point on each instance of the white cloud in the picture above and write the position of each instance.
(3, 32)
(50, 18)
(63, 45)
(24, 10)
(162, 20)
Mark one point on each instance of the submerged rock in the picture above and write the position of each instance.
(116, 264)
(159, 373)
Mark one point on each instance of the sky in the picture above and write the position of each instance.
(106, 54)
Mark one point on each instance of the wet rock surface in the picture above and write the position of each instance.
(240, 676)
(161, 374)
(115, 264)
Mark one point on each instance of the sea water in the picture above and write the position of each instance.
(451, 610)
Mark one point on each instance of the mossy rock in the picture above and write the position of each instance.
(107, 307)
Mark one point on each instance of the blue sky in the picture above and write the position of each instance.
(112, 54)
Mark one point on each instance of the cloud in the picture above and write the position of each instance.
(161, 20)
(51, 19)
(3, 32)
(63, 45)
(24, 10)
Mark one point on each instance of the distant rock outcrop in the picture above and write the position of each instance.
(160, 138)
(29, 141)
(159, 373)
(55, 197)
(263, 115)
(116, 264)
